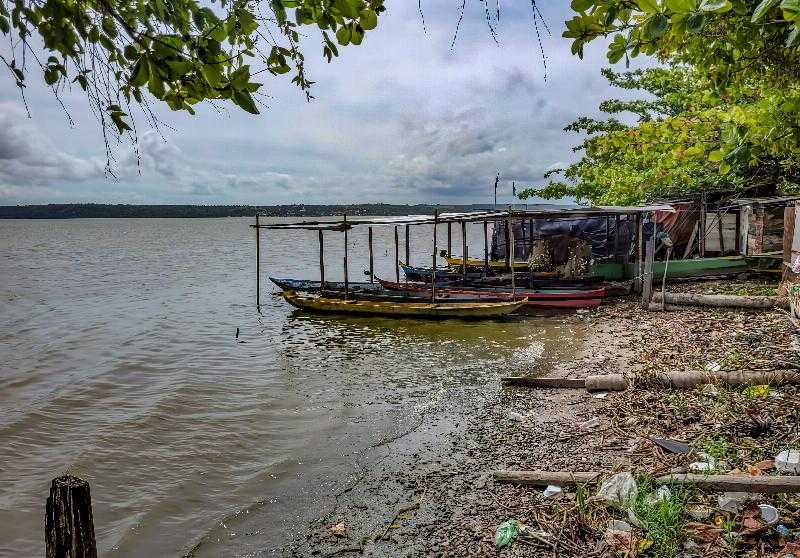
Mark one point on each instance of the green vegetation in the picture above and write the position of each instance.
(726, 107)
(182, 52)
(662, 518)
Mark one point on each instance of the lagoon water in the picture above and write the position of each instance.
(119, 363)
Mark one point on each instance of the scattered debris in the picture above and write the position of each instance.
(707, 464)
(589, 424)
(338, 530)
(788, 461)
(551, 490)
(619, 489)
(507, 532)
(710, 390)
(671, 445)
(515, 416)
(732, 501)
(769, 513)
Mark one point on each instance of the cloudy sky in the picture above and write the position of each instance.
(402, 118)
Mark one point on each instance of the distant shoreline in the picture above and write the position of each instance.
(93, 210)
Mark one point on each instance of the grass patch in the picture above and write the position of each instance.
(662, 520)
(720, 449)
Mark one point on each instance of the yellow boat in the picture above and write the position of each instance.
(460, 310)
(493, 264)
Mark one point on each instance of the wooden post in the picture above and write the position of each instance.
(346, 280)
(321, 260)
(68, 523)
(513, 273)
(738, 241)
(485, 248)
(721, 236)
(433, 275)
(637, 279)
(702, 230)
(464, 250)
(617, 256)
(397, 256)
(449, 240)
(408, 245)
(608, 235)
(371, 261)
(647, 275)
(509, 256)
(258, 265)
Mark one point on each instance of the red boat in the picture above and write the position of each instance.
(547, 298)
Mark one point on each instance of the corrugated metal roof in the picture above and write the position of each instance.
(768, 200)
(567, 212)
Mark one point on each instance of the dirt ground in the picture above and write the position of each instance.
(430, 492)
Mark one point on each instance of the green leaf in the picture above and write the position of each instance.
(4, 27)
(368, 19)
(761, 10)
(130, 52)
(50, 76)
(140, 73)
(343, 35)
(791, 9)
(109, 27)
(655, 26)
(648, 6)
(245, 100)
(681, 6)
(695, 22)
(581, 5)
(792, 39)
(715, 156)
(716, 6)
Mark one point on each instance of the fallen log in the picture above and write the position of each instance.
(606, 382)
(692, 379)
(729, 301)
(531, 381)
(761, 484)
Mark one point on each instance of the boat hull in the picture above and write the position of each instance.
(424, 310)
(530, 294)
(308, 285)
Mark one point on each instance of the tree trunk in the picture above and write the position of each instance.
(731, 301)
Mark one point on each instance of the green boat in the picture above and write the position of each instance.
(676, 269)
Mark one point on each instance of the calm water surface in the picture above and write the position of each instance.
(119, 363)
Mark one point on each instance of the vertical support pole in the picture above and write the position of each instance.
(509, 255)
(68, 522)
(433, 276)
(408, 245)
(608, 235)
(371, 260)
(485, 248)
(647, 276)
(321, 260)
(449, 240)
(510, 224)
(721, 236)
(637, 277)
(258, 265)
(738, 241)
(617, 256)
(464, 251)
(346, 279)
(702, 230)
(396, 256)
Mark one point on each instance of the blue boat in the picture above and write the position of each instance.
(308, 285)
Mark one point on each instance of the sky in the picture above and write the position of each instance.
(403, 118)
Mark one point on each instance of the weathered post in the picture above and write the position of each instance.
(647, 275)
(371, 260)
(464, 251)
(485, 248)
(449, 240)
(397, 256)
(408, 245)
(637, 279)
(510, 223)
(68, 523)
(433, 275)
(258, 265)
(321, 260)
(509, 255)
(346, 280)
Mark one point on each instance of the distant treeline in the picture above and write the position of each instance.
(98, 210)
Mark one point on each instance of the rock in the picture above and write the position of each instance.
(732, 501)
(788, 461)
(619, 525)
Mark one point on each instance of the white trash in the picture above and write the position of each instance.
(732, 501)
(589, 424)
(769, 513)
(619, 489)
(788, 461)
(515, 416)
(551, 490)
(706, 465)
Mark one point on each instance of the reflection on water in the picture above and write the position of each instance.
(120, 364)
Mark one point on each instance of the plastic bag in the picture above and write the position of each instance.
(507, 532)
(619, 489)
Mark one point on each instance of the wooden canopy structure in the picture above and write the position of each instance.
(506, 216)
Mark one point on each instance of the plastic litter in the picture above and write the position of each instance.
(706, 464)
(671, 445)
(551, 490)
(513, 415)
(663, 493)
(600, 395)
(713, 366)
(783, 530)
(769, 513)
(788, 461)
(619, 489)
(593, 422)
(732, 501)
(507, 532)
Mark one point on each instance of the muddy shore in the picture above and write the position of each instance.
(429, 491)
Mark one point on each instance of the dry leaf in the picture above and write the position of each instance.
(337, 530)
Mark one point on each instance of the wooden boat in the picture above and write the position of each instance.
(476, 263)
(427, 310)
(448, 276)
(531, 294)
(308, 285)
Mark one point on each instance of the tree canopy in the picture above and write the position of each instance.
(182, 52)
(726, 113)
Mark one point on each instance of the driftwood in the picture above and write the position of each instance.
(730, 483)
(68, 523)
(729, 301)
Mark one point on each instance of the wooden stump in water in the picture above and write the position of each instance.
(68, 524)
